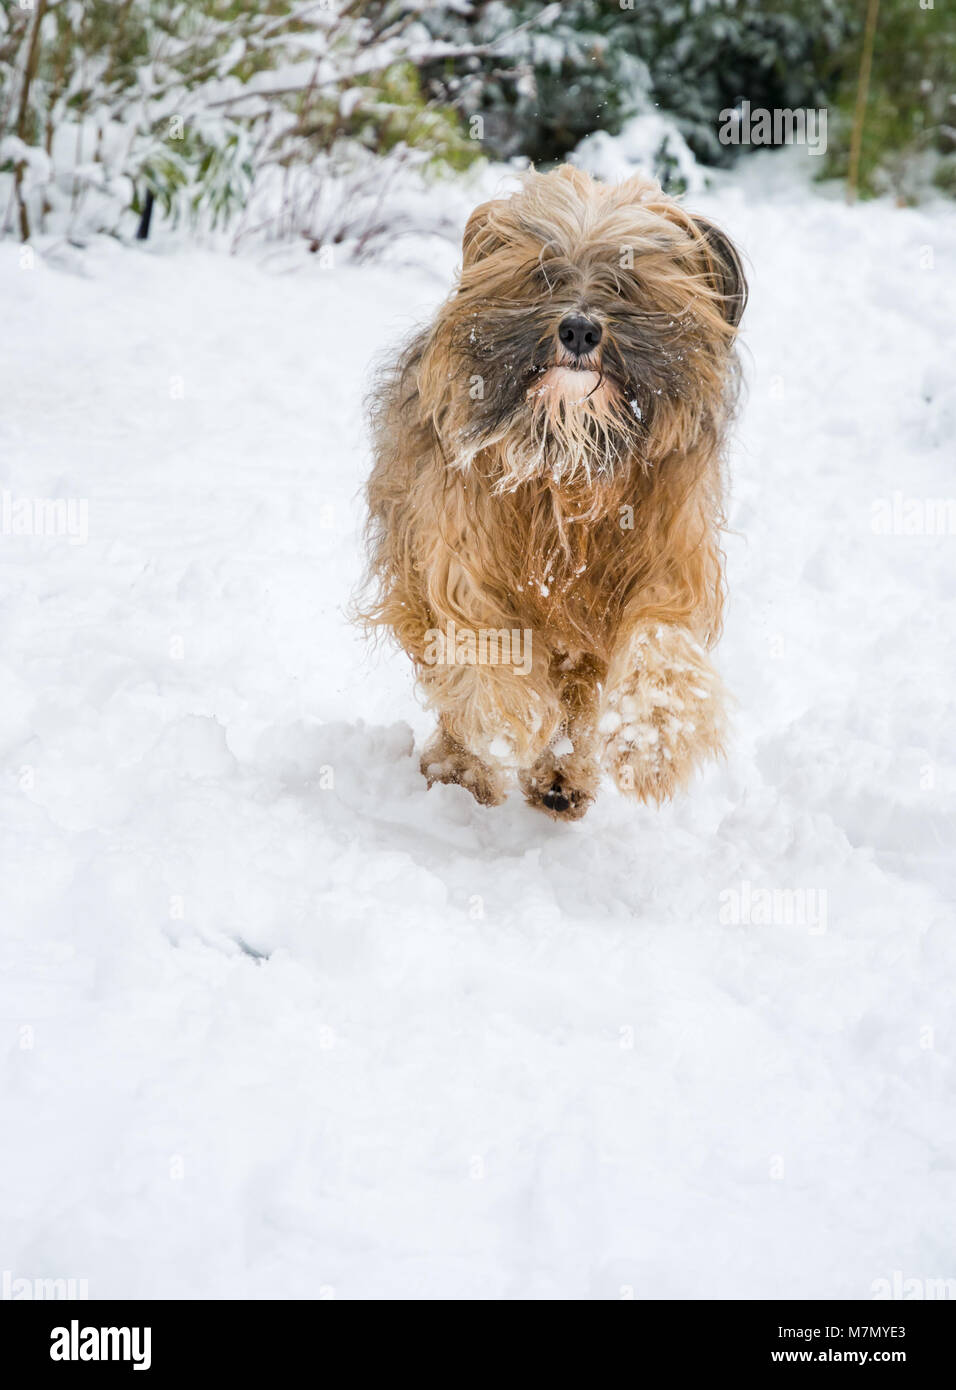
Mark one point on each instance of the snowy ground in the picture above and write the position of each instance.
(263, 1036)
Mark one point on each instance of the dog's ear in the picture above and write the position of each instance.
(481, 236)
(725, 268)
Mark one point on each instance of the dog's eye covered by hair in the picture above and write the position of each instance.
(490, 231)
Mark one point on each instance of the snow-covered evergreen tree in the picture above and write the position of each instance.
(545, 75)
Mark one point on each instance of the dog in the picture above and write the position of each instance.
(548, 476)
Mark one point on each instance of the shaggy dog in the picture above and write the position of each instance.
(546, 501)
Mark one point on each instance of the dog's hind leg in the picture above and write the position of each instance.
(494, 718)
(445, 760)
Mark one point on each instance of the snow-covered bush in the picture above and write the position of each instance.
(110, 106)
(543, 76)
(650, 141)
(539, 76)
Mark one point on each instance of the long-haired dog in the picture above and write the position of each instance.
(546, 501)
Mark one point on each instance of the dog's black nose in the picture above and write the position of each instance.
(578, 335)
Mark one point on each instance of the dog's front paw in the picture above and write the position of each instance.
(655, 735)
(560, 800)
(562, 788)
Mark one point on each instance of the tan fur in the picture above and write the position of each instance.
(512, 510)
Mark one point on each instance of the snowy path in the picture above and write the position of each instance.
(261, 1036)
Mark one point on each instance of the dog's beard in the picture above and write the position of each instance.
(574, 428)
(569, 427)
(574, 424)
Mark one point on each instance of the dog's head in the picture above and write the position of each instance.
(591, 330)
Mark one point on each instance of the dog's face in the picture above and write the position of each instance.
(591, 330)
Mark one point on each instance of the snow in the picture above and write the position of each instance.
(279, 1022)
(645, 139)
